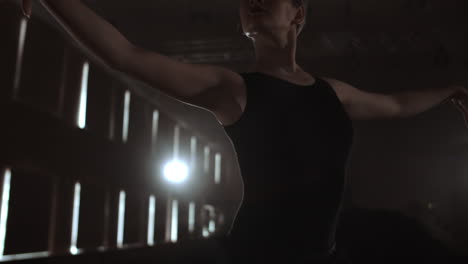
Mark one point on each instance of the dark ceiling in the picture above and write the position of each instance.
(205, 31)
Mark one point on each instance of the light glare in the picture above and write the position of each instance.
(73, 250)
(176, 171)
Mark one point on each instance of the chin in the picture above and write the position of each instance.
(253, 29)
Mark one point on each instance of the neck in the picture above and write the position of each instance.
(276, 55)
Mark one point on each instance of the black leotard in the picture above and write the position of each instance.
(292, 144)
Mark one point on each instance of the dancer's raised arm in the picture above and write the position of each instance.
(206, 86)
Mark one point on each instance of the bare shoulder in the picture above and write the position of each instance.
(231, 99)
(342, 89)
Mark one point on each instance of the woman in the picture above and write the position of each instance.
(292, 131)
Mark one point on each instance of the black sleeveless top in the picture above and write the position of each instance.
(292, 144)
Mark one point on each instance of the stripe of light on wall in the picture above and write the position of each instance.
(25, 256)
(151, 219)
(191, 216)
(206, 165)
(19, 56)
(176, 141)
(126, 116)
(75, 219)
(120, 220)
(174, 220)
(154, 130)
(193, 153)
(83, 96)
(217, 176)
(206, 233)
(4, 209)
(212, 226)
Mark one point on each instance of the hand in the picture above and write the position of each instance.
(460, 101)
(27, 7)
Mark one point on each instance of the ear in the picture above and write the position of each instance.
(300, 15)
(27, 8)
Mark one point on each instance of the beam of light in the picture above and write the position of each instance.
(75, 219)
(191, 216)
(112, 115)
(73, 250)
(176, 141)
(206, 233)
(121, 219)
(174, 221)
(208, 230)
(4, 209)
(19, 56)
(107, 208)
(167, 230)
(217, 176)
(193, 155)
(154, 130)
(126, 116)
(83, 96)
(25, 256)
(193, 152)
(212, 226)
(206, 164)
(151, 220)
(53, 215)
(176, 171)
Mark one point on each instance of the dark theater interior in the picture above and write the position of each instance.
(233, 131)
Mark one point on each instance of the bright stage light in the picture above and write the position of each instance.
(176, 171)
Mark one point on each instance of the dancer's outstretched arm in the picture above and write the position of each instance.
(362, 105)
(209, 87)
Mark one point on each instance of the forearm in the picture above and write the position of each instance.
(83, 24)
(418, 101)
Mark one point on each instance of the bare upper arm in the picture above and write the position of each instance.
(210, 87)
(342, 89)
(363, 105)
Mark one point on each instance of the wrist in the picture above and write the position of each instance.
(456, 91)
(52, 3)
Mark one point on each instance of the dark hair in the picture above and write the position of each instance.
(298, 3)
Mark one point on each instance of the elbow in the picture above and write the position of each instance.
(119, 59)
(398, 109)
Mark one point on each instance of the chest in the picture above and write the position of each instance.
(318, 107)
(294, 101)
(310, 118)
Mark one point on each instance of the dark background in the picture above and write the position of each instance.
(406, 173)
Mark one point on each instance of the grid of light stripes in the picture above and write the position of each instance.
(81, 113)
